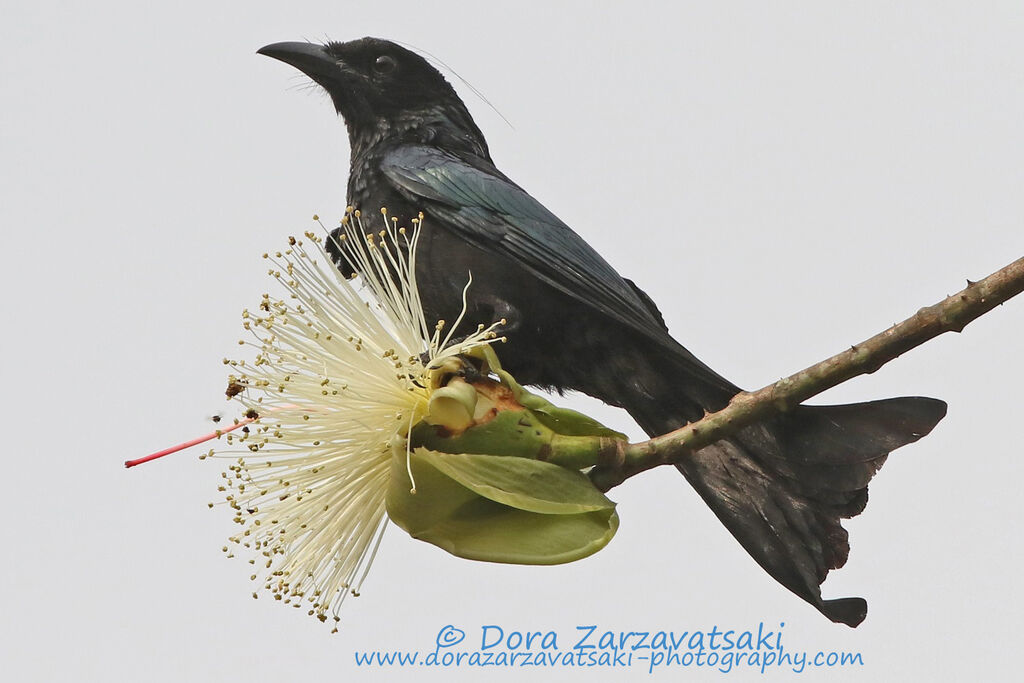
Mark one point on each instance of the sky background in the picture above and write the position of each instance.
(783, 180)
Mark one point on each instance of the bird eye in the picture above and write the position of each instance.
(385, 64)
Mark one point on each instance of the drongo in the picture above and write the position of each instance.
(780, 486)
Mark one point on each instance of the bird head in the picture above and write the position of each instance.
(373, 82)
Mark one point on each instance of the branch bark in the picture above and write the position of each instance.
(949, 315)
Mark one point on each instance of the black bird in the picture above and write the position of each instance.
(780, 486)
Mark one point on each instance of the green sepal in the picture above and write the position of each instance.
(499, 509)
(564, 421)
(519, 433)
(510, 432)
(560, 420)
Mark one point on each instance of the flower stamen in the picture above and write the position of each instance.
(339, 374)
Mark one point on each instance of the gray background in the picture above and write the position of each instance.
(784, 179)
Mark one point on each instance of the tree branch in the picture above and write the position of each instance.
(950, 315)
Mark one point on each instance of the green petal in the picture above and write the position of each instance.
(530, 485)
(490, 532)
(437, 496)
(500, 509)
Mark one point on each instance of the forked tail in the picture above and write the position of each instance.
(782, 486)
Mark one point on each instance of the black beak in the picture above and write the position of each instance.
(309, 58)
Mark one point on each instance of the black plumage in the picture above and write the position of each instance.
(780, 486)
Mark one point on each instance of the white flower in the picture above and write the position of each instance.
(336, 379)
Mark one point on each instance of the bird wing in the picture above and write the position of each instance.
(485, 208)
(490, 211)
